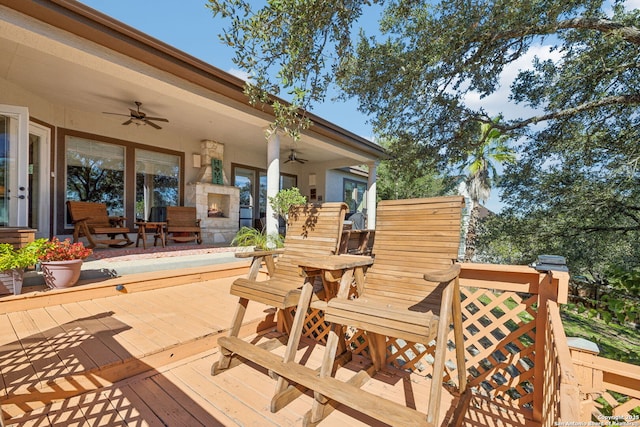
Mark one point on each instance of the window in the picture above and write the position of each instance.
(355, 193)
(157, 182)
(129, 178)
(95, 173)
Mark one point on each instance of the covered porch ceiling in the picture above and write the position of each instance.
(106, 66)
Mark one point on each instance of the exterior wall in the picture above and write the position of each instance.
(335, 182)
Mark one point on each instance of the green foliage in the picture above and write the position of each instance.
(24, 257)
(286, 198)
(615, 341)
(612, 298)
(248, 236)
(407, 175)
(302, 44)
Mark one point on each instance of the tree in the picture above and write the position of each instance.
(415, 76)
(406, 175)
(490, 151)
(576, 181)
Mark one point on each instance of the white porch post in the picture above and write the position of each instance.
(273, 179)
(372, 195)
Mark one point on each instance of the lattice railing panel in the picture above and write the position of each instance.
(617, 408)
(499, 332)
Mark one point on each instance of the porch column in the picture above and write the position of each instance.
(273, 179)
(372, 194)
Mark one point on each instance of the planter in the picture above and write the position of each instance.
(11, 281)
(61, 274)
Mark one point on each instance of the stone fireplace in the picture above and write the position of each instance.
(217, 203)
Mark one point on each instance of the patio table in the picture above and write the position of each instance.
(157, 228)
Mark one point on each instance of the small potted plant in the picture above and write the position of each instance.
(61, 262)
(256, 239)
(13, 262)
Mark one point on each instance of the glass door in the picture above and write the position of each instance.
(39, 171)
(14, 143)
(245, 180)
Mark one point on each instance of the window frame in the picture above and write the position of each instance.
(357, 183)
(129, 176)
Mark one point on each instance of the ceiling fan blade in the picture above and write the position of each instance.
(128, 122)
(115, 114)
(158, 119)
(152, 124)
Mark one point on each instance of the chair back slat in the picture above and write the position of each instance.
(412, 237)
(312, 230)
(182, 216)
(96, 213)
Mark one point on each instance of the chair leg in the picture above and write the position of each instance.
(225, 355)
(435, 395)
(458, 334)
(320, 402)
(285, 392)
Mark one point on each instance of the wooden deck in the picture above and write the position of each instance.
(143, 358)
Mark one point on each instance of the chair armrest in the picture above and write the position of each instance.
(335, 262)
(440, 276)
(80, 219)
(259, 253)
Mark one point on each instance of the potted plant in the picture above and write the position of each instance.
(283, 201)
(13, 262)
(61, 262)
(252, 238)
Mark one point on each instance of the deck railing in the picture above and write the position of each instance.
(610, 390)
(561, 396)
(515, 346)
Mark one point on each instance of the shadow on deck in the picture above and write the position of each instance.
(105, 358)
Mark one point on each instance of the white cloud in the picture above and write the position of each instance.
(632, 4)
(498, 102)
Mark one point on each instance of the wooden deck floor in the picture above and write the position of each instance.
(144, 359)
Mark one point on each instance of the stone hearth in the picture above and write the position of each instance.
(218, 207)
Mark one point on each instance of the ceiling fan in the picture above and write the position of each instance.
(293, 157)
(139, 118)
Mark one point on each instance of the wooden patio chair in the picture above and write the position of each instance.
(312, 230)
(411, 292)
(92, 221)
(183, 224)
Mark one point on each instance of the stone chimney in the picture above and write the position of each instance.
(211, 150)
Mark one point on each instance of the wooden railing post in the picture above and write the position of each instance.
(553, 286)
(546, 291)
(590, 378)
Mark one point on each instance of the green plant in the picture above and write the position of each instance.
(63, 250)
(248, 236)
(284, 199)
(28, 255)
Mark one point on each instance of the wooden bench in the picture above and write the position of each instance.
(183, 224)
(92, 221)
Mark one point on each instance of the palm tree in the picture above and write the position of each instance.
(481, 166)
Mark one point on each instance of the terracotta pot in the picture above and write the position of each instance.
(61, 274)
